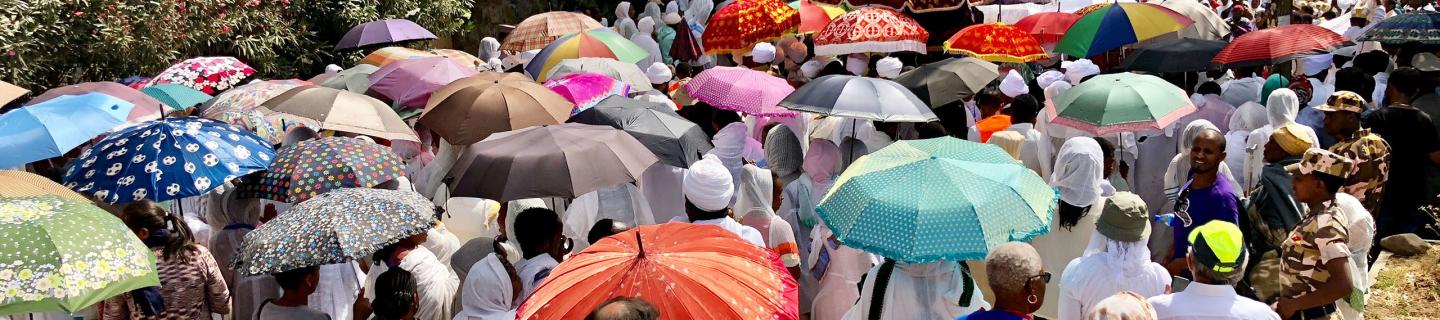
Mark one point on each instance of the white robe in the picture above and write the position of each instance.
(1036, 154)
(921, 291)
(532, 272)
(487, 294)
(622, 203)
(1060, 246)
(661, 185)
(339, 285)
(442, 243)
(729, 224)
(839, 288)
(434, 281)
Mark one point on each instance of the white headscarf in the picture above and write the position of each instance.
(672, 13)
(1045, 79)
(513, 209)
(645, 28)
(644, 37)
(1056, 89)
(1013, 85)
(1248, 117)
(234, 217)
(488, 293)
(622, 203)
(757, 190)
(699, 11)
(763, 53)
(652, 11)
(489, 49)
(708, 184)
(624, 24)
(857, 63)
(811, 69)
(331, 69)
(658, 73)
(1079, 69)
(1282, 106)
(821, 162)
(729, 148)
(889, 67)
(1078, 171)
(1131, 258)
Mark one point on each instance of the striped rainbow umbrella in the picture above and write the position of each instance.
(595, 43)
(586, 89)
(1117, 25)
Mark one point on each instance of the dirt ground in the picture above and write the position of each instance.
(1407, 288)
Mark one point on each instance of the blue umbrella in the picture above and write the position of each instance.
(937, 199)
(167, 159)
(51, 128)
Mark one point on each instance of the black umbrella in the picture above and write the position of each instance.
(676, 141)
(950, 80)
(1180, 55)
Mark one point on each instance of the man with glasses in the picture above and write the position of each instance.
(1217, 261)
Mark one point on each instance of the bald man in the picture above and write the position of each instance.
(624, 308)
(1207, 196)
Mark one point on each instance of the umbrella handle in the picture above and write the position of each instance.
(640, 245)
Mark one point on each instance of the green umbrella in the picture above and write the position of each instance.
(1120, 102)
(177, 97)
(61, 255)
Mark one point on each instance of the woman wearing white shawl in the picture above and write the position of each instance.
(624, 24)
(644, 37)
(1246, 118)
(753, 208)
(797, 207)
(1282, 106)
(935, 290)
(621, 203)
(839, 270)
(1078, 173)
(733, 147)
(490, 53)
(236, 218)
(489, 292)
(783, 153)
(1109, 265)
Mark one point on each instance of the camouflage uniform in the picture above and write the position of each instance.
(1320, 237)
(1371, 155)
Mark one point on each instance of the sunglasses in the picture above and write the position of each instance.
(1044, 277)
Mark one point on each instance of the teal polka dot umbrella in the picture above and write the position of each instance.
(937, 199)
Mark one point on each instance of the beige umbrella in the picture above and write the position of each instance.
(344, 111)
(10, 92)
(14, 183)
(1208, 25)
(470, 109)
(503, 76)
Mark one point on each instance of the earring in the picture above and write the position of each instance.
(1032, 299)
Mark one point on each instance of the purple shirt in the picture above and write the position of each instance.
(993, 314)
(1217, 202)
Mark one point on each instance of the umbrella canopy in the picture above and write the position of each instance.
(736, 27)
(628, 73)
(594, 43)
(565, 160)
(914, 5)
(861, 98)
(741, 90)
(314, 167)
(814, 16)
(1120, 102)
(587, 89)
(539, 30)
(382, 32)
(243, 98)
(996, 42)
(63, 255)
(177, 97)
(1417, 26)
(10, 92)
(950, 80)
(686, 271)
(686, 46)
(1208, 24)
(338, 226)
(1047, 27)
(16, 183)
(341, 110)
(870, 29)
(210, 75)
(463, 58)
(975, 197)
(674, 140)
(1174, 55)
(410, 82)
(146, 108)
(471, 109)
(1279, 44)
(383, 56)
(167, 159)
(52, 128)
(356, 79)
(502, 76)
(1118, 24)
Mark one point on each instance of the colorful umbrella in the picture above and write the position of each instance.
(210, 75)
(267, 123)
(919, 6)
(587, 89)
(167, 159)
(63, 255)
(675, 141)
(381, 32)
(314, 167)
(1117, 25)
(383, 56)
(463, 58)
(410, 82)
(334, 227)
(594, 43)
(243, 98)
(1208, 24)
(814, 16)
(177, 97)
(471, 109)
(1174, 55)
(859, 97)
(1047, 27)
(738, 26)
(870, 29)
(996, 42)
(16, 183)
(540, 30)
(1417, 26)
(356, 79)
(345, 111)
(628, 73)
(741, 90)
(565, 160)
(1279, 44)
(686, 271)
(52, 128)
(146, 108)
(936, 199)
(1120, 102)
(950, 80)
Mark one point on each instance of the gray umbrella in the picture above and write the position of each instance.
(950, 80)
(676, 141)
(356, 79)
(565, 160)
(334, 227)
(860, 98)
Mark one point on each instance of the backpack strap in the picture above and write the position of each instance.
(261, 310)
(882, 282)
(969, 283)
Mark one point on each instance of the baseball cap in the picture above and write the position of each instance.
(1322, 161)
(1219, 245)
(1343, 101)
(1124, 218)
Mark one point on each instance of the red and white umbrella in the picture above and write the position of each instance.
(871, 29)
(1279, 44)
(210, 75)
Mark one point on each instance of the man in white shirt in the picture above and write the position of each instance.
(1036, 153)
(1245, 88)
(1217, 260)
(543, 245)
(708, 189)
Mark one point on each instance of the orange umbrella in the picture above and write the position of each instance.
(686, 271)
(996, 42)
(383, 56)
(738, 26)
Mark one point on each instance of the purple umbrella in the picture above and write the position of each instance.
(410, 82)
(383, 32)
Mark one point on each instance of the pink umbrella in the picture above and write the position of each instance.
(410, 82)
(742, 90)
(586, 90)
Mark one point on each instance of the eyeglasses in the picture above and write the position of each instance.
(569, 245)
(1044, 277)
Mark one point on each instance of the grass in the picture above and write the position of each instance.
(1407, 288)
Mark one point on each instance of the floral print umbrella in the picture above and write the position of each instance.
(338, 226)
(313, 167)
(62, 255)
(167, 159)
(996, 42)
(210, 75)
(736, 27)
(244, 98)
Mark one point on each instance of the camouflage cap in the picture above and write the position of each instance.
(1344, 101)
(1322, 161)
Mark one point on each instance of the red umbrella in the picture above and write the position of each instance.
(1047, 27)
(914, 5)
(1279, 44)
(870, 29)
(738, 26)
(814, 16)
(996, 42)
(685, 47)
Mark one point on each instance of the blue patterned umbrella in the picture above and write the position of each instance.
(937, 199)
(1418, 26)
(334, 227)
(167, 159)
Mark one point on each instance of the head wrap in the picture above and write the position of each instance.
(1045, 79)
(1056, 89)
(512, 210)
(857, 63)
(1288, 138)
(1013, 85)
(1078, 171)
(333, 68)
(1079, 69)
(1123, 305)
(1192, 130)
(811, 68)
(1283, 106)
(1316, 64)
(672, 13)
(757, 190)
(698, 12)
(784, 153)
(1275, 82)
(621, 203)
(1248, 117)
(763, 53)
(487, 292)
(652, 11)
(889, 67)
(708, 184)
(821, 161)
(646, 27)
(1010, 141)
(489, 49)
(622, 10)
(658, 73)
